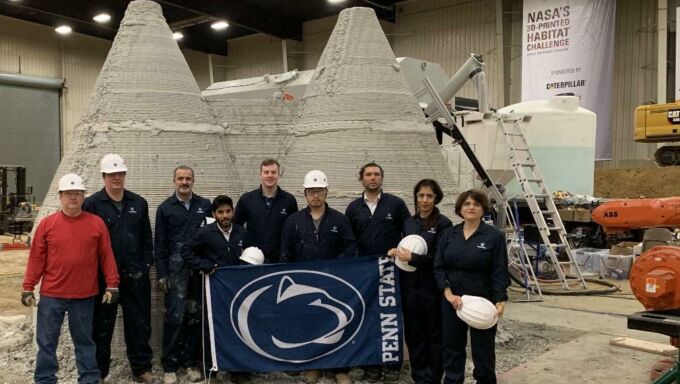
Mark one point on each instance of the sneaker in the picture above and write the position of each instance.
(342, 378)
(170, 378)
(146, 377)
(194, 375)
(311, 377)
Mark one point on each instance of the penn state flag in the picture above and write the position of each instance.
(301, 316)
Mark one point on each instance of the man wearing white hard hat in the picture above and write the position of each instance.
(216, 245)
(68, 248)
(318, 232)
(126, 216)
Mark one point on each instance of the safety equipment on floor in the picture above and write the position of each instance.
(110, 296)
(71, 182)
(28, 299)
(252, 255)
(112, 163)
(315, 179)
(414, 244)
(477, 312)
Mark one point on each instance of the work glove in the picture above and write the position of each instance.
(110, 296)
(164, 285)
(28, 299)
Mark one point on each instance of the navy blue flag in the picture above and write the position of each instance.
(302, 316)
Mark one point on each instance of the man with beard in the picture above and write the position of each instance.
(126, 216)
(264, 210)
(177, 218)
(377, 219)
(215, 245)
(315, 233)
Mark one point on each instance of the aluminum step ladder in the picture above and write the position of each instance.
(505, 220)
(530, 179)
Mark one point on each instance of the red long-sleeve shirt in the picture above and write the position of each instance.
(66, 253)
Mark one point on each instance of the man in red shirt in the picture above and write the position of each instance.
(68, 248)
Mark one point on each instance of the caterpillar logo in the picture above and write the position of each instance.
(674, 116)
(611, 214)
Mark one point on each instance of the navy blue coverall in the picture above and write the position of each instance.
(175, 224)
(264, 218)
(378, 232)
(132, 245)
(476, 266)
(209, 249)
(421, 304)
(300, 241)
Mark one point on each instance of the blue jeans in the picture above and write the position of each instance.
(51, 313)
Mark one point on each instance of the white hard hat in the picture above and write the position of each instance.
(112, 163)
(71, 182)
(478, 312)
(415, 244)
(315, 179)
(252, 255)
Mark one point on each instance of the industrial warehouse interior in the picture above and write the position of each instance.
(300, 133)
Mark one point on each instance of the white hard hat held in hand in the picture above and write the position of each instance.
(315, 179)
(478, 312)
(252, 255)
(414, 244)
(112, 163)
(71, 182)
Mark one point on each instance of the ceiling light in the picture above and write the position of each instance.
(102, 18)
(336, 1)
(63, 30)
(219, 25)
(177, 35)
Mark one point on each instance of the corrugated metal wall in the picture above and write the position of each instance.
(33, 49)
(443, 31)
(446, 32)
(635, 71)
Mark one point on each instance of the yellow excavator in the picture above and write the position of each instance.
(658, 123)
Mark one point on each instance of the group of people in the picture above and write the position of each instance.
(97, 252)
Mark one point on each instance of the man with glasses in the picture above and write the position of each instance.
(317, 232)
(68, 248)
(126, 215)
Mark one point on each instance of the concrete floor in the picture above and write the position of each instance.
(589, 358)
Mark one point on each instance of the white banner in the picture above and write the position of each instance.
(568, 46)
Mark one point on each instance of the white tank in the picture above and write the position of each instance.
(561, 136)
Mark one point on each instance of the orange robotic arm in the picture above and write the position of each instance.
(622, 215)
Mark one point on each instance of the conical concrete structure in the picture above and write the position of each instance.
(358, 108)
(147, 108)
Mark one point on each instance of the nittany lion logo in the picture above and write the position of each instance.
(297, 316)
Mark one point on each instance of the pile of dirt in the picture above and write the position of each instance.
(637, 182)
